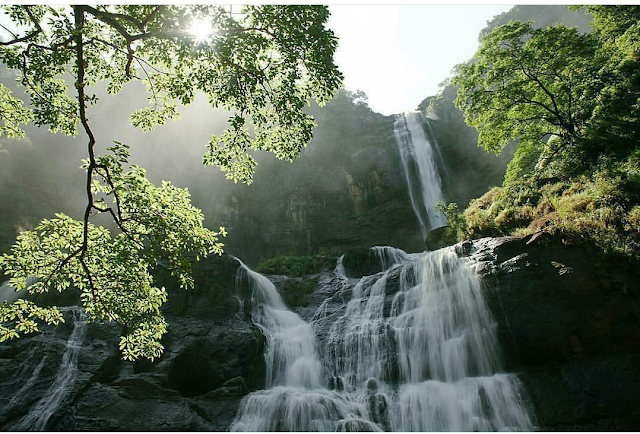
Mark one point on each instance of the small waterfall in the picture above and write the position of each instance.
(339, 270)
(41, 412)
(292, 358)
(418, 155)
(296, 398)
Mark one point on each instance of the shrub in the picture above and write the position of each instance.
(600, 208)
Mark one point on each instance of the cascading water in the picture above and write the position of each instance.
(435, 339)
(53, 398)
(418, 155)
(295, 398)
(414, 349)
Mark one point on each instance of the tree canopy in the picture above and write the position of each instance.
(528, 84)
(263, 63)
(555, 90)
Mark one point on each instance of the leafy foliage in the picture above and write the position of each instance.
(572, 102)
(456, 224)
(530, 84)
(615, 123)
(157, 223)
(263, 63)
(570, 97)
(601, 208)
(12, 114)
(297, 291)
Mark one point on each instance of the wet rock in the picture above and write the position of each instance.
(567, 320)
(573, 340)
(361, 262)
(108, 394)
(436, 239)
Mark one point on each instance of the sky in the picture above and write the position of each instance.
(398, 54)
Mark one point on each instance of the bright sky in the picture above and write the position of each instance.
(398, 54)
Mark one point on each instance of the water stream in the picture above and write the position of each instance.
(419, 155)
(58, 391)
(295, 398)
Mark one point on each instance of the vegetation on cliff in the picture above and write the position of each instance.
(296, 265)
(571, 101)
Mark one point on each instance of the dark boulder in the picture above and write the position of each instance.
(436, 238)
(361, 262)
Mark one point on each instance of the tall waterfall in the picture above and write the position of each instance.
(54, 397)
(418, 155)
(412, 348)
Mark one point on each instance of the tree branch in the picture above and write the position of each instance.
(28, 36)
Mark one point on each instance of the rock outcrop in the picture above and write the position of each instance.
(569, 323)
(212, 358)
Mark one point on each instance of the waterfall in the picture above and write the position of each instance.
(339, 270)
(291, 354)
(412, 348)
(53, 398)
(295, 398)
(418, 155)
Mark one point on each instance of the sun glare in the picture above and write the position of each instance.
(201, 30)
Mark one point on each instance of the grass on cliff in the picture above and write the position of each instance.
(601, 207)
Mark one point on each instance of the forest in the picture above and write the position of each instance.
(204, 230)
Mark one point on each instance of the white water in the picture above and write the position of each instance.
(339, 270)
(418, 156)
(53, 398)
(295, 398)
(425, 358)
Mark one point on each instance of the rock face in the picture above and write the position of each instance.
(568, 323)
(346, 190)
(212, 358)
